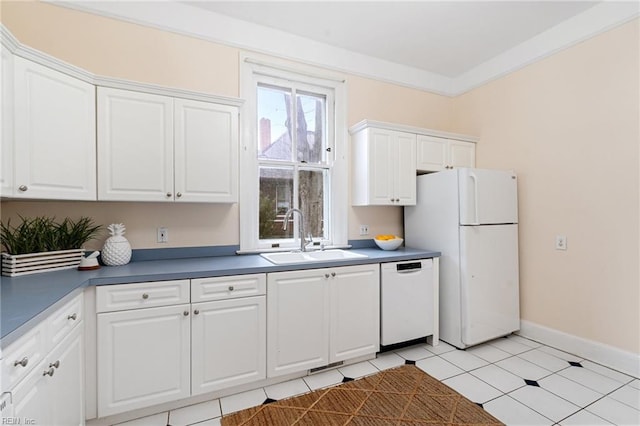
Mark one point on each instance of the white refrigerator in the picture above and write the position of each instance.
(471, 217)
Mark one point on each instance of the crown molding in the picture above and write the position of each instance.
(411, 129)
(118, 83)
(187, 20)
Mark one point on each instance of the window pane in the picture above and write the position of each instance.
(274, 112)
(276, 197)
(311, 129)
(311, 201)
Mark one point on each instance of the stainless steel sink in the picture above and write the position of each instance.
(290, 258)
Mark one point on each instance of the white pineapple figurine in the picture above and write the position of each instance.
(116, 250)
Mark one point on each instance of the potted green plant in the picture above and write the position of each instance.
(41, 244)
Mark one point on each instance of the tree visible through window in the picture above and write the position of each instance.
(293, 159)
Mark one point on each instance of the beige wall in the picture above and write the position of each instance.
(569, 126)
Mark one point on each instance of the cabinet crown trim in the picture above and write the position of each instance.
(15, 47)
(364, 124)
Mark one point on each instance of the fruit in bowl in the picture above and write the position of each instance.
(387, 241)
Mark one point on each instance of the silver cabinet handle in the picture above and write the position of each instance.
(179, 194)
(230, 288)
(145, 296)
(50, 372)
(169, 195)
(333, 274)
(23, 188)
(185, 313)
(23, 362)
(73, 316)
(55, 364)
(196, 312)
(326, 275)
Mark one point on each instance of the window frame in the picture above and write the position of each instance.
(256, 69)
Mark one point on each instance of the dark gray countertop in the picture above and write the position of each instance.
(26, 300)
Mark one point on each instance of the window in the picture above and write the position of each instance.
(293, 152)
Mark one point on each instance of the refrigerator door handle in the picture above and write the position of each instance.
(474, 178)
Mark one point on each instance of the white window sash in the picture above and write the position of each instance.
(270, 71)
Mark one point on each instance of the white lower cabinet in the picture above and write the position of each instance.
(321, 316)
(52, 393)
(228, 343)
(143, 357)
(180, 339)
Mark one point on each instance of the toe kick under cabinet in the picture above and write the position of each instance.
(163, 341)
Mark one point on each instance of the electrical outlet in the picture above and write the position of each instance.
(364, 229)
(561, 242)
(163, 235)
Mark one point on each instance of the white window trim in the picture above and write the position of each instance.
(251, 65)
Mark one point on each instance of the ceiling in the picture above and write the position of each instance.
(446, 47)
(444, 37)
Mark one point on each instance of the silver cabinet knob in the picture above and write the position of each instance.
(50, 372)
(326, 275)
(185, 313)
(333, 274)
(169, 195)
(179, 194)
(73, 316)
(145, 296)
(23, 188)
(55, 364)
(230, 288)
(23, 362)
(196, 312)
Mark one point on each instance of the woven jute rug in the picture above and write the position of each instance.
(404, 396)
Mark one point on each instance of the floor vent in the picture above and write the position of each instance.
(326, 367)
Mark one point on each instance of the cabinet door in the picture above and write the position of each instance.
(432, 153)
(6, 124)
(143, 358)
(462, 154)
(405, 169)
(297, 321)
(30, 397)
(66, 386)
(206, 152)
(55, 148)
(355, 312)
(381, 167)
(135, 146)
(228, 343)
(53, 393)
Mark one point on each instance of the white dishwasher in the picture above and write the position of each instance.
(408, 301)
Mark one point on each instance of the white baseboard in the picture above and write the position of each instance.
(609, 356)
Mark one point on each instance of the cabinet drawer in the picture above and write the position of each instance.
(141, 295)
(206, 289)
(64, 320)
(23, 355)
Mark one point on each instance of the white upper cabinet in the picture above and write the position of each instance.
(6, 125)
(135, 146)
(436, 153)
(54, 149)
(159, 148)
(383, 167)
(386, 157)
(206, 151)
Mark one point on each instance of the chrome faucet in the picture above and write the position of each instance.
(303, 240)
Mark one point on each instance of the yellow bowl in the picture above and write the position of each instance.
(389, 244)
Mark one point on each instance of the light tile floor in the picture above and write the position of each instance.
(517, 380)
